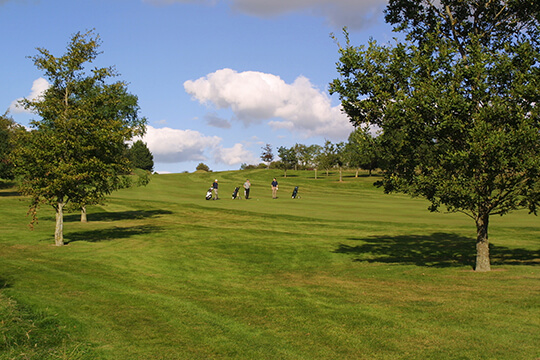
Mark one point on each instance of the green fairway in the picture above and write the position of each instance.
(343, 272)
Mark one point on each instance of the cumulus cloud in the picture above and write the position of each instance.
(238, 154)
(351, 13)
(255, 97)
(38, 88)
(176, 146)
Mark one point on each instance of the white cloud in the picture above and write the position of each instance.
(351, 13)
(238, 154)
(38, 88)
(176, 146)
(255, 97)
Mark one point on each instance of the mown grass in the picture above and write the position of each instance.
(344, 272)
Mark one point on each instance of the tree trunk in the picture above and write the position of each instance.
(59, 230)
(285, 173)
(340, 175)
(482, 243)
(315, 174)
(357, 171)
(84, 219)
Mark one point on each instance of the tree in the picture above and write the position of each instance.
(203, 167)
(140, 156)
(267, 156)
(9, 131)
(457, 105)
(76, 153)
(340, 158)
(362, 150)
(327, 157)
(288, 158)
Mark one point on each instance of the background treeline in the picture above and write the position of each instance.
(361, 151)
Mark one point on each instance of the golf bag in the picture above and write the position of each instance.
(209, 194)
(295, 192)
(235, 193)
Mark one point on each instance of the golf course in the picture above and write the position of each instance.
(344, 271)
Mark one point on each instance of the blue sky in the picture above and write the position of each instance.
(216, 79)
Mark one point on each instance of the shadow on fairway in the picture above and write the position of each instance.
(4, 284)
(110, 234)
(435, 250)
(9, 193)
(116, 216)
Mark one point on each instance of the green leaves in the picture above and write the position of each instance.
(457, 104)
(77, 151)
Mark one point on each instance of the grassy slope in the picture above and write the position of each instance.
(344, 272)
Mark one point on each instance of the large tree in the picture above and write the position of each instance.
(76, 152)
(457, 102)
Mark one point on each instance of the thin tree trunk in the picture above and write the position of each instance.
(83, 214)
(340, 175)
(315, 174)
(357, 171)
(59, 230)
(482, 243)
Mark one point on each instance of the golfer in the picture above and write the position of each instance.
(215, 186)
(247, 185)
(274, 188)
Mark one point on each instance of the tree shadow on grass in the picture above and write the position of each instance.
(435, 250)
(9, 193)
(116, 216)
(4, 284)
(110, 234)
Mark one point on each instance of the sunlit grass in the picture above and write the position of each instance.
(344, 272)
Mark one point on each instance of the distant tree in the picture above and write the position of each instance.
(327, 157)
(288, 158)
(9, 132)
(267, 155)
(140, 156)
(204, 167)
(340, 158)
(76, 153)
(362, 150)
(458, 104)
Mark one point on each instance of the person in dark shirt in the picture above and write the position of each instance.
(215, 186)
(274, 188)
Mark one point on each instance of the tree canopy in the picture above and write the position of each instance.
(9, 133)
(140, 156)
(288, 159)
(267, 155)
(456, 103)
(76, 151)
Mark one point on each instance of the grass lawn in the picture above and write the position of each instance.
(343, 272)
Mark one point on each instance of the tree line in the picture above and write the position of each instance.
(361, 151)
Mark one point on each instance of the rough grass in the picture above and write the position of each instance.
(344, 272)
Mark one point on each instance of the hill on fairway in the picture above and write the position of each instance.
(343, 272)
